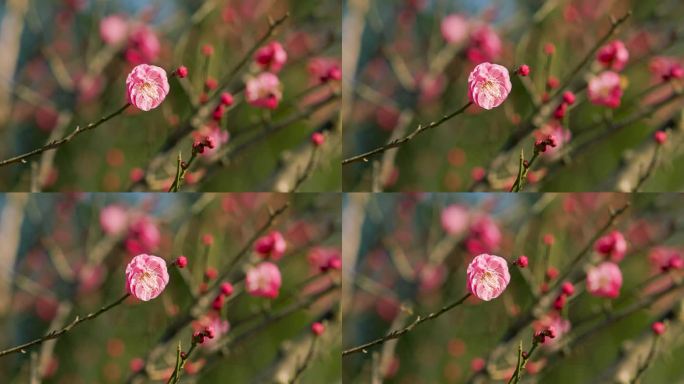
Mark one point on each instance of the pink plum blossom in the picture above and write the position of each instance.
(487, 276)
(143, 235)
(612, 245)
(263, 280)
(613, 55)
(488, 85)
(666, 68)
(665, 258)
(324, 69)
(604, 280)
(484, 45)
(113, 219)
(605, 89)
(562, 136)
(271, 246)
(325, 258)
(215, 133)
(431, 277)
(454, 28)
(147, 86)
(114, 29)
(271, 57)
(146, 277)
(484, 236)
(264, 91)
(553, 320)
(143, 45)
(455, 219)
(213, 321)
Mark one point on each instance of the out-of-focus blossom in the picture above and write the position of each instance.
(264, 91)
(146, 277)
(213, 321)
(613, 55)
(217, 135)
(560, 325)
(143, 45)
(263, 280)
(484, 44)
(143, 235)
(484, 235)
(666, 68)
(324, 69)
(114, 29)
(272, 246)
(113, 219)
(487, 276)
(454, 28)
(325, 258)
(455, 219)
(666, 258)
(561, 135)
(605, 89)
(431, 277)
(604, 280)
(271, 57)
(612, 245)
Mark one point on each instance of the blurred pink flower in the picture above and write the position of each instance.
(325, 258)
(113, 219)
(217, 135)
(488, 85)
(613, 245)
(271, 57)
(454, 28)
(147, 86)
(143, 235)
(264, 91)
(114, 29)
(666, 68)
(484, 236)
(263, 280)
(431, 277)
(604, 280)
(431, 87)
(455, 219)
(560, 325)
(324, 69)
(605, 89)
(271, 246)
(665, 258)
(146, 277)
(90, 278)
(613, 55)
(561, 135)
(484, 44)
(487, 276)
(213, 321)
(143, 45)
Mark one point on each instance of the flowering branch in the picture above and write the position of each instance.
(55, 334)
(181, 359)
(396, 143)
(398, 333)
(523, 358)
(57, 143)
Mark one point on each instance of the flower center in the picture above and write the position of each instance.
(147, 279)
(491, 88)
(489, 279)
(148, 90)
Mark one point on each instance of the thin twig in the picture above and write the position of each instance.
(55, 334)
(396, 143)
(57, 143)
(398, 333)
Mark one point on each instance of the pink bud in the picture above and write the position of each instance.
(552, 82)
(559, 303)
(549, 48)
(227, 99)
(551, 273)
(181, 261)
(207, 50)
(227, 289)
(522, 261)
(658, 327)
(524, 70)
(569, 97)
(210, 273)
(217, 304)
(182, 71)
(210, 83)
(317, 138)
(317, 328)
(568, 288)
(207, 239)
(660, 137)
